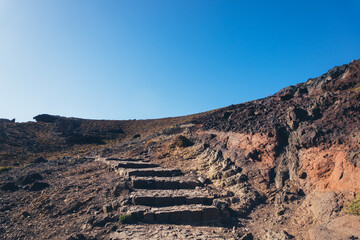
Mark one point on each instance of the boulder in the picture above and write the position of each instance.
(294, 116)
(46, 118)
(30, 178)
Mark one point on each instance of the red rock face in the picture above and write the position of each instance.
(301, 143)
(310, 129)
(328, 169)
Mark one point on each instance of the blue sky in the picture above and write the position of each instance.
(134, 59)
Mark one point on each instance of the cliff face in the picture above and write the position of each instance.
(293, 156)
(308, 131)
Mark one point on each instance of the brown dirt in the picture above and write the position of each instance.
(78, 189)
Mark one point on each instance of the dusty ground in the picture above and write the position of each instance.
(72, 203)
(78, 189)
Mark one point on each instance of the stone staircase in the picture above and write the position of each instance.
(165, 196)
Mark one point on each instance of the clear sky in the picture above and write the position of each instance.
(114, 59)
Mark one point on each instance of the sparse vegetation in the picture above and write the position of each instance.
(354, 206)
(5, 168)
(182, 141)
(125, 218)
(356, 89)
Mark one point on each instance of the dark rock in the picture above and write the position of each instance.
(115, 205)
(282, 139)
(301, 91)
(303, 175)
(295, 116)
(182, 141)
(46, 118)
(113, 228)
(249, 199)
(243, 178)
(227, 115)
(353, 156)
(10, 186)
(136, 136)
(137, 216)
(309, 137)
(287, 93)
(222, 205)
(314, 112)
(107, 208)
(281, 212)
(288, 236)
(40, 160)
(119, 188)
(25, 214)
(90, 220)
(4, 120)
(38, 186)
(30, 178)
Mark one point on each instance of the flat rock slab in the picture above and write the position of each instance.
(160, 198)
(131, 164)
(183, 182)
(150, 172)
(184, 214)
(167, 231)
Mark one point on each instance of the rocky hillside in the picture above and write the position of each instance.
(54, 137)
(308, 131)
(289, 161)
(284, 167)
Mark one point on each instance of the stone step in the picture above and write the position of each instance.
(162, 198)
(130, 164)
(183, 182)
(150, 172)
(194, 214)
(113, 161)
(126, 159)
